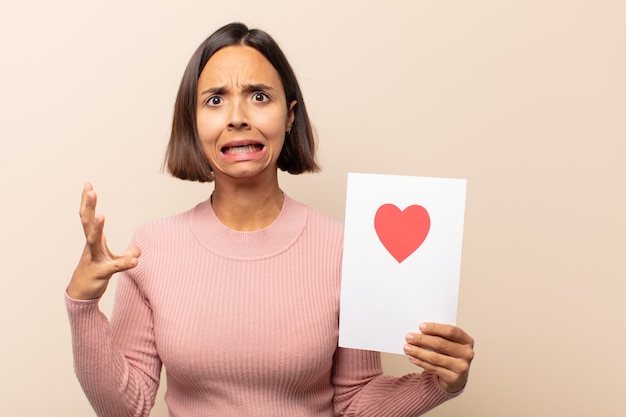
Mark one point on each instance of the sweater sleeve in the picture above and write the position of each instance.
(361, 389)
(116, 363)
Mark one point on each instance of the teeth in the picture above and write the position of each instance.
(242, 149)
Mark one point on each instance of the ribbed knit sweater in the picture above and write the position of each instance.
(245, 323)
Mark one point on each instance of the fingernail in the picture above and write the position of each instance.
(423, 326)
(409, 336)
(407, 348)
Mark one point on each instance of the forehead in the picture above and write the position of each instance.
(239, 65)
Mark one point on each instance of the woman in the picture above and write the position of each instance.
(239, 296)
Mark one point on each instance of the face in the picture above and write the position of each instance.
(242, 114)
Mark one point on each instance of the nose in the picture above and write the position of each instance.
(238, 117)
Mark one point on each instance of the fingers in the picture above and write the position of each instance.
(104, 265)
(129, 258)
(444, 338)
(448, 331)
(450, 379)
(453, 358)
(87, 210)
(444, 349)
(91, 277)
(97, 264)
(93, 224)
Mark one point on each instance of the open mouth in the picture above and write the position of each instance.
(233, 150)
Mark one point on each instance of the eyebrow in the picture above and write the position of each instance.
(246, 88)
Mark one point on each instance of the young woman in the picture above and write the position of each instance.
(239, 297)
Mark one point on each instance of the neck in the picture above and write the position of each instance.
(247, 207)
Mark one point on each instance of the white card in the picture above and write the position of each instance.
(401, 258)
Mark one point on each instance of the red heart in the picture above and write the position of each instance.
(401, 232)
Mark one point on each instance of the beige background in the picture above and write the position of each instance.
(525, 99)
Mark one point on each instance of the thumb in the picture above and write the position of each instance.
(128, 259)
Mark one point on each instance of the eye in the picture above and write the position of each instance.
(260, 97)
(214, 101)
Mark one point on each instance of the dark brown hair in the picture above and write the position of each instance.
(184, 157)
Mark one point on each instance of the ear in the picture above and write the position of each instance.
(291, 116)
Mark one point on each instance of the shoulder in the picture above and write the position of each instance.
(317, 221)
(162, 239)
(165, 228)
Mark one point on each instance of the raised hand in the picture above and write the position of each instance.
(444, 349)
(97, 264)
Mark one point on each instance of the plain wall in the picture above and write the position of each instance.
(525, 99)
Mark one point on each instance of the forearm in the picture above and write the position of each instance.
(114, 387)
(362, 390)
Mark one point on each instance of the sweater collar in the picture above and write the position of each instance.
(258, 244)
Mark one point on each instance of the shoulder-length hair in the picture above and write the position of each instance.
(184, 157)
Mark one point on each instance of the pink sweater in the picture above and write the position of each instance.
(245, 323)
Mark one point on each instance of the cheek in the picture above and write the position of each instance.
(272, 124)
(208, 130)
(208, 140)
